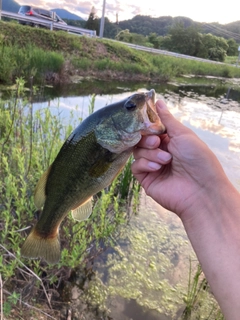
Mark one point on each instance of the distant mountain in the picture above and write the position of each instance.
(64, 14)
(145, 25)
(10, 5)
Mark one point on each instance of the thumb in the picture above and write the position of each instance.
(173, 126)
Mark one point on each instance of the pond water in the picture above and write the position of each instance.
(199, 103)
(145, 275)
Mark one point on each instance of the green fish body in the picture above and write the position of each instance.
(88, 161)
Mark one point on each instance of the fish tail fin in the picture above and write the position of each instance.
(36, 246)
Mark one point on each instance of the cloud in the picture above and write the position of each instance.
(127, 9)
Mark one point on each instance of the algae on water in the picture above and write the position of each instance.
(150, 264)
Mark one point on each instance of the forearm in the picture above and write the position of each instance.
(214, 231)
(195, 187)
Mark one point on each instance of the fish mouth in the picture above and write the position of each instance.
(152, 122)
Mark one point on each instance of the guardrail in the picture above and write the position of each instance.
(169, 53)
(49, 24)
(92, 33)
(165, 52)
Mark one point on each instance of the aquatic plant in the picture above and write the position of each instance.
(199, 299)
(156, 268)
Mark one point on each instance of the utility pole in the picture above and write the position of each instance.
(238, 55)
(102, 20)
(0, 9)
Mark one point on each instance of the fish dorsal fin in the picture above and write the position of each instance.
(40, 190)
(83, 211)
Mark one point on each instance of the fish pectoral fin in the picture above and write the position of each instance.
(102, 164)
(99, 168)
(40, 193)
(83, 211)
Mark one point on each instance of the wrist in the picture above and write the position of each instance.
(213, 230)
(212, 205)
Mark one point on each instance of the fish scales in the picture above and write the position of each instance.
(77, 179)
(88, 161)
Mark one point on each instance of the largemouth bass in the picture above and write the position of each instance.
(88, 161)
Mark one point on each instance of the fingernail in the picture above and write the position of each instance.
(154, 165)
(151, 140)
(161, 104)
(164, 156)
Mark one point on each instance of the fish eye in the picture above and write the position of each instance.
(130, 105)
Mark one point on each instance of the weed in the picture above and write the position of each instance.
(29, 142)
(199, 299)
(83, 63)
(10, 302)
(103, 64)
(91, 104)
(27, 62)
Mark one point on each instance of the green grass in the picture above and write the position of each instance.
(29, 142)
(27, 62)
(199, 300)
(26, 51)
(232, 60)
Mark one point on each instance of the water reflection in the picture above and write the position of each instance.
(146, 275)
(78, 105)
(220, 129)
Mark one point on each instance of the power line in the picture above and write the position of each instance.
(234, 35)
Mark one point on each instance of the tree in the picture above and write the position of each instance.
(191, 42)
(213, 48)
(110, 29)
(232, 47)
(93, 21)
(217, 54)
(155, 40)
(207, 42)
(126, 36)
(123, 35)
(183, 40)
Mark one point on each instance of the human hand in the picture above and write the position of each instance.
(177, 170)
(182, 174)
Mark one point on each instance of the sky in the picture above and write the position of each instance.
(202, 11)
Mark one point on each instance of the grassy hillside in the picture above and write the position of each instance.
(59, 56)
